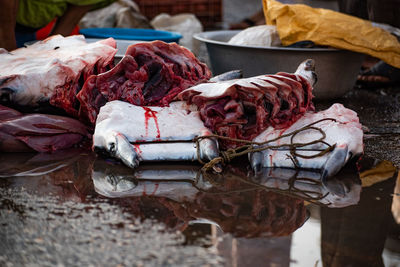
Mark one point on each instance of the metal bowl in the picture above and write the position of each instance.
(337, 70)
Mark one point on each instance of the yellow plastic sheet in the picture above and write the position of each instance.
(326, 27)
(381, 172)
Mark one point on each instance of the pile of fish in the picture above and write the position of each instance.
(157, 102)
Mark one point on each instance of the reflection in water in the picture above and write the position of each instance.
(65, 174)
(270, 203)
(357, 234)
(238, 208)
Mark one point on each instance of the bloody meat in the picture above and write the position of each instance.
(243, 108)
(150, 74)
(38, 132)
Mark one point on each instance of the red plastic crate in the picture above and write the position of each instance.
(209, 12)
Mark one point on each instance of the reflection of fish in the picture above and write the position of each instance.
(337, 192)
(175, 182)
(37, 164)
(343, 134)
(156, 133)
(233, 205)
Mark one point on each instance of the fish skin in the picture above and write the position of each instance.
(31, 75)
(164, 133)
(119, 147)
(345, 134)
(38, 132)
(226, 76)
(256, 159)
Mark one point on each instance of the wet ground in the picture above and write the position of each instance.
(73, 209)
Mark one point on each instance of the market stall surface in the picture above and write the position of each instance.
(79, 210)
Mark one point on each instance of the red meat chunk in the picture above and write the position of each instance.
(244, 108)
(150, 74)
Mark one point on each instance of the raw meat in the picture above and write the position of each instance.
(39, 132)
(149, 74)
(52, 70)
(343, 132)
(243, 108)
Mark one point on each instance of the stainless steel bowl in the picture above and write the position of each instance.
(337, 70)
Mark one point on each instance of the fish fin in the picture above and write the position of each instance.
(208, 149)
(256, 161)
(336, 161)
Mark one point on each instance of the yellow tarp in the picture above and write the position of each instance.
(381, 172)
(326, 27)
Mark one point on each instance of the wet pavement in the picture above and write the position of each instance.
(379, 112)
(74, 209)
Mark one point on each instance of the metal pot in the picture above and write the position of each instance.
(337, 70)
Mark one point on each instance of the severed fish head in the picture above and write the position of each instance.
(307, 70)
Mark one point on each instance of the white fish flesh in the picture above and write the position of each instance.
(344, 133)
(134, 133)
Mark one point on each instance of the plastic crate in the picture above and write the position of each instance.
(209, 12)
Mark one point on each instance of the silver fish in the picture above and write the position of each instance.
(134, 134)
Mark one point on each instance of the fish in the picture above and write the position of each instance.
(134, 133)
(338, 129)
(52, 71)
(243, 108)
(227, 76)
(149, 74)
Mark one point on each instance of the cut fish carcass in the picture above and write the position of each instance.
(243, 108)
(149, 74)
(39, 132)
(52, 70)
(134, 133)
(343, 133)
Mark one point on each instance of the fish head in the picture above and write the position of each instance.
(116, 145)
(307, 70)
(6, 95)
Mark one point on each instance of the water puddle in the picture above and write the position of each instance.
(73, 208)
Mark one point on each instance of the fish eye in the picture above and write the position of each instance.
(6, 95)
(111, 147)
